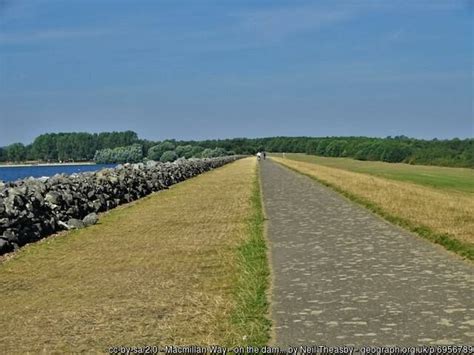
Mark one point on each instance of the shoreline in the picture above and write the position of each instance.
(26, 165)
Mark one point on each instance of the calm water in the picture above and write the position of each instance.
(15, 173)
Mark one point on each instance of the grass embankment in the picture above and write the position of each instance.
(453, 179)
(444, 217)
(184, 266)
(251, 311)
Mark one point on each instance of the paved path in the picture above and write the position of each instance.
(343, 276)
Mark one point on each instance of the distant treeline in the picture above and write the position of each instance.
(401, 149)
(126, 146)
(67, 146)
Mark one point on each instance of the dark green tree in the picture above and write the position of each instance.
(155, 152)
(16, 152)
(168, 156)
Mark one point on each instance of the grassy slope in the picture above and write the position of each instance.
(250, 315)
(454, 179)
(442, 216)
(164, 270)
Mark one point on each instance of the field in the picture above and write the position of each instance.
(443, 214)
(454, 179)
(183, 266)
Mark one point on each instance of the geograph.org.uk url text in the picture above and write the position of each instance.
(297, 350)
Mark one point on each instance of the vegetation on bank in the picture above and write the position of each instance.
(129, 154)
(83, 146)
(109, 147)
(164, 152)
(442, 216)
(167, 269)
(250, 315)
(453, 179)
(67, 146)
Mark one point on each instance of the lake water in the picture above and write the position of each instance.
(15, 173)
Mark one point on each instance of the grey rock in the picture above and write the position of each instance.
(68, 198)
(74, 223)
(14, 197)
(38, 197)
(5, 246)
(63, 224)
(72, 211)
(97, 205)
(53, 197)
(151, 163)
(22, 190)
(90, 219)
(31, 209)
(10, 236)
(10, 207)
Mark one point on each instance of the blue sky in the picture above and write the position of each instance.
(219, 69)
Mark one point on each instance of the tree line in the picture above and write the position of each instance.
(67, 146)
(166, 151)
(126, 146)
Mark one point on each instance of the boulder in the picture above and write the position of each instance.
(53, 197)
(151, 163)
(5, 222)
(10, 236)
(90, 219)
(31, 209)
(38, 197)
(63, 225)
(5, 246)
(74, 223)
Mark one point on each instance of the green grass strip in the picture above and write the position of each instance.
(250, 316)
(466, 250)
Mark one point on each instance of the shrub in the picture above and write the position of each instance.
(196, 152)
(206, 153)
(155, 152)
(130, 154)
(168, 156)
(184, 151)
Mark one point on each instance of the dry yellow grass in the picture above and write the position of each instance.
(160, 271)
(444, 212)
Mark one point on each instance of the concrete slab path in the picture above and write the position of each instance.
(343, 276)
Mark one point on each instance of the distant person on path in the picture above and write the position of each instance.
(264, 155)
